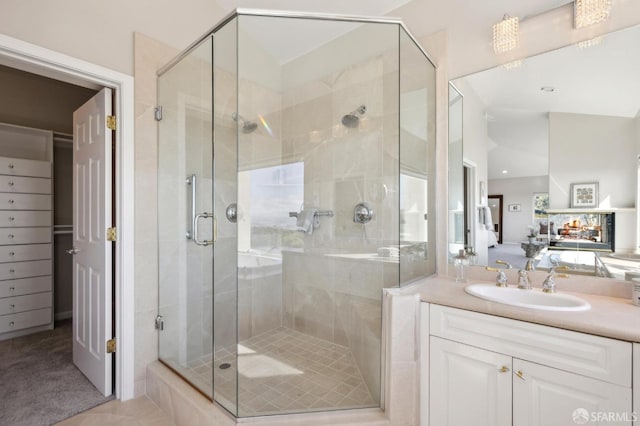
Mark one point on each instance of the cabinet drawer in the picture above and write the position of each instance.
(25, 218)
(10, 271)
(25, 201)
(30, 302)
(22, 320)
(25, 252)
(25, 286)
(11, 236)
(25, 184)
(22, 167)
(593, 356)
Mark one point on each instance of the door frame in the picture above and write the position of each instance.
(38, 60)
(500, 216)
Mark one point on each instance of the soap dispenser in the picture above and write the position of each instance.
(461, 263)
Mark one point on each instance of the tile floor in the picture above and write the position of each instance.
(135, 412)
(284, 371)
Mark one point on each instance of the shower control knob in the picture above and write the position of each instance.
(232, 213)
(362, 213)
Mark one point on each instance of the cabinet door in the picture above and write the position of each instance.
(468, 386)
(545, 396)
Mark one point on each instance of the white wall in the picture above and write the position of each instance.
(102, 32)
(589, 148)
(517, 191)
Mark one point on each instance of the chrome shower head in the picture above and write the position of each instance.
(247, 126)
(352, 120)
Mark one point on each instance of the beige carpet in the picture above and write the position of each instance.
(39, 385)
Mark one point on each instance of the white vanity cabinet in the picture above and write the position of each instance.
(487, 370)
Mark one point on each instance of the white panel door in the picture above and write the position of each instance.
(468, 386)
(545, 396)
(92, 296)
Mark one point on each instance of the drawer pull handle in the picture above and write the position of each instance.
(504, 369)
(11, 253)
(11, 166)
(520, 374)
(11, 218)
(11, 183)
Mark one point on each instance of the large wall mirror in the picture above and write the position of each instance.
(551, 150)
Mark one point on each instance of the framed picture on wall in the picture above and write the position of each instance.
(515, 208)
(584, 194)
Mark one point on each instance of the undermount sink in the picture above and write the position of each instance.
(534, 299)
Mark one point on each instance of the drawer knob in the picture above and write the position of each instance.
(12, 270)
(11, 183)
(11, 324)
(11, 166)
(12, 288)
(11, 236)
(11, 253)
(11, 201)
(11, 218)
(13, 305)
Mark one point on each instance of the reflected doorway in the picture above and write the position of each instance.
(495, 205)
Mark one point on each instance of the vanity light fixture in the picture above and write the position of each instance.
(590, 12)
(505, 34)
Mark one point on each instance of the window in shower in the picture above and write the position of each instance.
(266, 227)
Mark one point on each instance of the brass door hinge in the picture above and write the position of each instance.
(111, 346)
(111, 122)
(111, 234)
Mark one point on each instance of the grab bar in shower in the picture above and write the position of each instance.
(191, 180)
(318, 213)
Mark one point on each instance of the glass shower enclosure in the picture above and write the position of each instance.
(296, 176)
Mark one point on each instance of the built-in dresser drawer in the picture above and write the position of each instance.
(21, 167)
(27, 185)
(25, 252)
(10, 218)
(10, 271)
(23, 320)
(25, 201)
(30, 302)
(11, 236)
(25, 286)
(592, 356)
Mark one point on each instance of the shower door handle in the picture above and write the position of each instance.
(196, 219)
(191, 180)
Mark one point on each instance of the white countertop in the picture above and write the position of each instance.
(608, 317)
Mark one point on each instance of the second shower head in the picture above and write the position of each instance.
(352, 120)
(247, 126)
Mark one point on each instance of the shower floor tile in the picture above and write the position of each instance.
(285, 371)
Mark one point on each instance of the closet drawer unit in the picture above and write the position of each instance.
(10, 236)
(25, 201)
(23, 253)
(25, 286)
(37, 268)
(22, 320)
(21, 167)
(30, 302)
(25, 218)
(27, 185)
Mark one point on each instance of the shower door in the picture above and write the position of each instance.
(185, 223)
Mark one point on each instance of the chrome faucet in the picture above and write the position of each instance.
(524, 282)
(501, 278)
(549, 283)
